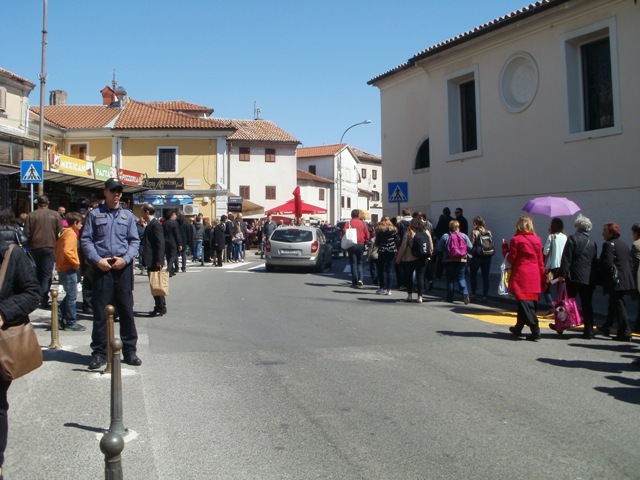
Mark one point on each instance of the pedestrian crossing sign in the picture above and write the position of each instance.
(398, 192)
(31, 171)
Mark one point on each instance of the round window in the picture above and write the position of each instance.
(519, 82)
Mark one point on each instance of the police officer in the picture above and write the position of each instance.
(110, 242)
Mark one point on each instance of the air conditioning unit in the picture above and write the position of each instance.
(191, 209)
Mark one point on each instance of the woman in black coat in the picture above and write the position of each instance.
(19, 296)
(615, 252)
(578, 270)
(218, 240)
(9, 229)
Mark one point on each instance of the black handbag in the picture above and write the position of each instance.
(608, 275)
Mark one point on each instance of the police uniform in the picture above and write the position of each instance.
(111, 233)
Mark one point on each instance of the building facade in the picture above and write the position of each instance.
(345, 166)
(542, 101)
(261, 165)
(16, 144)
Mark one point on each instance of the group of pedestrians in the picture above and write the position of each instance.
(576, 266)
(421, 253)
(418, 253)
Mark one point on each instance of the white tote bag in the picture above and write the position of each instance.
(350, 238)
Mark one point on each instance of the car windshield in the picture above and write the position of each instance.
(334, 232)
(291, 235)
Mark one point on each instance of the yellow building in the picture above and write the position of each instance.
(171, 154)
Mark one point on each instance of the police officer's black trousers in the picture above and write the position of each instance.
(114, 287)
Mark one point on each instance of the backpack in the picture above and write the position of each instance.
(456, 246)
(484, 244)
(421, 245)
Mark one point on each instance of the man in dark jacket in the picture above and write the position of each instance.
(464, 223)
(218, 241)
(186, 238)
(153, 253)
(443, 224)
(173, 244)
(43, 226)
(19, 296)
(229, 232)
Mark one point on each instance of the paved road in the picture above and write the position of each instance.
(289, 375)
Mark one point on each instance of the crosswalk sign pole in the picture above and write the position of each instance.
(33, 200)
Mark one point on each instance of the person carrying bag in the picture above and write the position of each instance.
(19, 296)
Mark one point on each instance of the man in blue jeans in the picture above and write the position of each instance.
(356, 251)
(43, 226)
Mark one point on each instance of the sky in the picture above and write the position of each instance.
(304, 63)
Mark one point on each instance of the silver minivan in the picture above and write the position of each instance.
(298, 247)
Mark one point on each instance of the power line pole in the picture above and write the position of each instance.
(43, 81)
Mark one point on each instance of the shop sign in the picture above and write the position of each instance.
(163, 200)
(129, 177)
(70, 165)
(104, 172)
(164, 183)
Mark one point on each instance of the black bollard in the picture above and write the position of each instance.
(117, 425)
(111, 446)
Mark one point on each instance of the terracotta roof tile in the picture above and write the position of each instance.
(181, 106)
(138, 115)
(321, 151)
(77, 116)
(366, 157)
(134, 115)
(304, 175)
(259, 130)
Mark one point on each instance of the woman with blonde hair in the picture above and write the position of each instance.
(524, 253)
(410, 262)
(386, 240)
(455, 263)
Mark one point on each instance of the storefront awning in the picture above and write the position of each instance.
(86, 182)
(249, 208)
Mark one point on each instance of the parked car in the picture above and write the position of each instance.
(339, 227)
(298, 247)
(333, 238)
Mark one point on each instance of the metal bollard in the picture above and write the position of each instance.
(55, 333)
(111, 445)
(117, 425)
(110, 311)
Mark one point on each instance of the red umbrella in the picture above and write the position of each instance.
(290, 207)
(297, 200)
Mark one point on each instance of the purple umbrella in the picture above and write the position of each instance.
(551, 206)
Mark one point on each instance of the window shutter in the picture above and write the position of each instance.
(3, 99)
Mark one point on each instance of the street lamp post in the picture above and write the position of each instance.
(339, 203)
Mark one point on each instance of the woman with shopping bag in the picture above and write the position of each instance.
(19, 296)
(578, 271)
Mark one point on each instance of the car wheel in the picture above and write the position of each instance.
(269, 268)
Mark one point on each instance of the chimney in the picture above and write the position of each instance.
(108, 96)
(57, 97)
(121, 95)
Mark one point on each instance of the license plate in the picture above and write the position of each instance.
(292, 253)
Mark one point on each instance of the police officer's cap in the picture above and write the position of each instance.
(113, 183)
